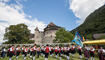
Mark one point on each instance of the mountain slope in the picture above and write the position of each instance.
(94, 23)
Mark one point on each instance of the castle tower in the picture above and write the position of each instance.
(38, 36)
(49, 33)
(47, 36)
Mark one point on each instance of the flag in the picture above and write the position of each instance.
(78, 39)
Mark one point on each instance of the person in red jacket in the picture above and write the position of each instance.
(92, 51)
(18, 50)
(25, 52)
(11, 52)
(59, 51)
(47, 51)
(56, 50)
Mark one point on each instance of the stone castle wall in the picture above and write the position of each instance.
(38, 37)
(49, 36)
(44, 37)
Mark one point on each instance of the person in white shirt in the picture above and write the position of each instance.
(31, 50)
(100, 53)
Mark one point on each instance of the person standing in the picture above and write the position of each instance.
(3, 52)
(42, 50)
(80, 51)
(104, 54)
(62, 50)
(34, 51)
(86, 52)
(52, 50)
(47, 51)
(67, 52)
(31, 50)
(73, 50)
(92, 51)
(59, 51)
(17, 51)
(38, 51)
(100, 53)
(25, 52)
(56, 51)
(11, 52)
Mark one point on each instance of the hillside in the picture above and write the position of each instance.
(94, 23)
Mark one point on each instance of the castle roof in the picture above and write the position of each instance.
(52, 26)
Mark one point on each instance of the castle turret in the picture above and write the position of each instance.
(38, 36)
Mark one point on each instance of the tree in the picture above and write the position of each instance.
(63, 36)
(17, 34)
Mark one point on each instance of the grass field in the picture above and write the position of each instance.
(76, 57)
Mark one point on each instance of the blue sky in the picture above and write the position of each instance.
(38, 13)
(56, 11)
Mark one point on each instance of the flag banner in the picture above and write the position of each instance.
(78, 39)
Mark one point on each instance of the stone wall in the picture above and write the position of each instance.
(49, 36)
(38, 37)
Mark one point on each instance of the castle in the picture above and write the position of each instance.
(47, 36)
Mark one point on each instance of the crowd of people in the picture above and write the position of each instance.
(56, 51)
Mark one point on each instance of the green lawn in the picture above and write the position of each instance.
(76, 57)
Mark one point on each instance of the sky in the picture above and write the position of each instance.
(39, 13)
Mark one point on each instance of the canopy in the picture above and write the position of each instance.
(95, 42)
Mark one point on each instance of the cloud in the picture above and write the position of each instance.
(4, 0)
(13, 14)
(83, 8)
